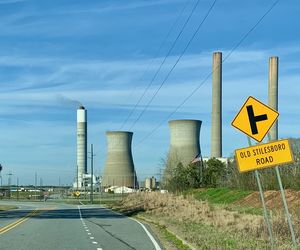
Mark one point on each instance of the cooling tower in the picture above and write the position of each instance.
(273, 93)
(184, 141)
(216, 116)
(119, 167)
(81, 144)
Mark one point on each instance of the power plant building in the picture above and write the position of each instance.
(119, 167)
(150, 183)
(184, 141)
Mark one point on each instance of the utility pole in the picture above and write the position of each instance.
(17, 188)
(92, 174)
(160, 170)
(1, 174)
(77, 178)
(35, 183)
(9, 183)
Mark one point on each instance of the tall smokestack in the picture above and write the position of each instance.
(216, 116)
(273, 92)
(81, 143)
(119, 167)
(184, 141)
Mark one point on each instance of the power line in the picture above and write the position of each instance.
(177, 61)
(164, 60)
(150, 64)
(210, 74)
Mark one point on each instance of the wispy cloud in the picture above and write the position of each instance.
(11, 1)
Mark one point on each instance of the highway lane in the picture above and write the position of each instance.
(9, 217)
(58, 226)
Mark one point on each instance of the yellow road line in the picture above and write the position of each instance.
(20, 221)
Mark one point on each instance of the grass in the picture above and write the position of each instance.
(225, 196)
(218, 224)
(203, 236)
(6, 207)
(172, 238)
(219, 195)
(209, 237)
(245, 209)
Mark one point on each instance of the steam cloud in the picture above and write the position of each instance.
(68, 101)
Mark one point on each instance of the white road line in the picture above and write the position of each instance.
(87, 230)
(81, 203)
(79, 212)
(156, 245)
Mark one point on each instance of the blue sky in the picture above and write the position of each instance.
(98, 52)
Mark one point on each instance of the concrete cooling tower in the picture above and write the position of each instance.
(81, 144)
(119, 167)
(184, 141)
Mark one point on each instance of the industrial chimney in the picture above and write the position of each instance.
(273, 93)
(81, 144)
(119, 167)
(184, 141)
(216, 116)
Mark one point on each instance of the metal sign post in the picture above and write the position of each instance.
(286, 209)
(255, 120)
(262, 198)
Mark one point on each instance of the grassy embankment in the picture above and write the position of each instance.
(207, 219)
(225, 197)
(7, 207)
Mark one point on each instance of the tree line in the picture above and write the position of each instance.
(214, 173)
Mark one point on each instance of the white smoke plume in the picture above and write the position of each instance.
(68, 101)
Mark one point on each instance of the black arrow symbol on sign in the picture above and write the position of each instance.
(254, 119)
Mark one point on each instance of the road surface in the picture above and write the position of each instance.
(52, 226)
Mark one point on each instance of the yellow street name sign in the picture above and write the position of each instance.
(255, 119)
(264, 155)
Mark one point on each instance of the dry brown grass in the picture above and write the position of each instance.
(189, 209)
(180, 210)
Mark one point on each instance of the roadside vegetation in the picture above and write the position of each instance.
(6, 207)
(213, 206)
(206, 225)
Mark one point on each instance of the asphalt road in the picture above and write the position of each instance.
(50, 226)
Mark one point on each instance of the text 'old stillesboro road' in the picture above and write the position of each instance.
(264, 155)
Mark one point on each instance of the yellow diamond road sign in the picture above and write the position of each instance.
(255, 119)
(264, 155)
